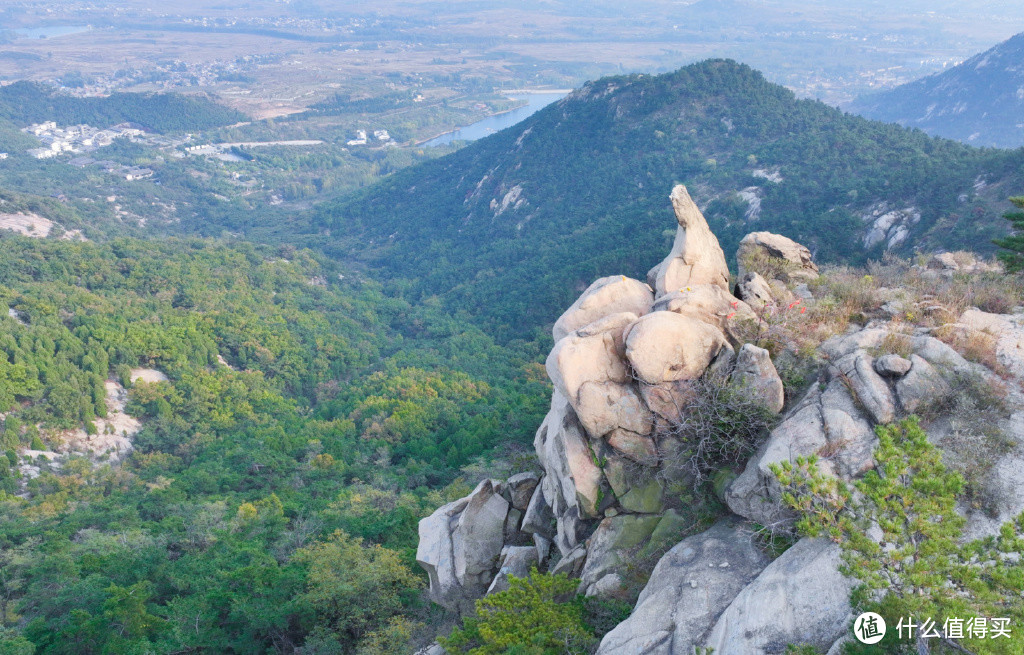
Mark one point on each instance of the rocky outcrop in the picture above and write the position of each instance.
(606, 296)
(624, 357)
(627, 365)
(864, 385)
(696, 258)
(460, 543)
(689, 589)
(800, 598)
(788, 260)
(628, 361)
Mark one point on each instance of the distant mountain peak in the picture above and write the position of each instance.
(980, 101)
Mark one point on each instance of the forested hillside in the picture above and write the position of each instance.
(24, 103)
(531, 215)
(303, 411)
(977, 102)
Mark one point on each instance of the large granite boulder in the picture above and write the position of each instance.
(789, 261)
(712, 305)
(666, 346)
(689, 588)
(696, 257)
(609, 295)
(800, 598)
(460, 544)
(589, 369)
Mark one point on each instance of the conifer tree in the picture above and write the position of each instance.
(902, 540)
(1013, 258)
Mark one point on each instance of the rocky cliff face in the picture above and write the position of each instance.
(629, 365)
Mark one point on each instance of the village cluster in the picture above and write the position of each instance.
(86, 138)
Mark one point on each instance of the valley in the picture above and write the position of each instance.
(494, 328)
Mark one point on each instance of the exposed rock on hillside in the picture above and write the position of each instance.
(690, 588)
(629, 366)
(795, 263)
(622, 365)
(696, 258)
(800, 598)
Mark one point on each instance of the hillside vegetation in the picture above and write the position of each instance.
(303, 424)
(24, 103)
(534, 213)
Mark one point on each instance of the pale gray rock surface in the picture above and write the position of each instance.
(572, 562)
(823, 422)
(892, 366)
(755, 372)
(479, 537)
(836, 419)
(922, 384)
(572, 480)
(516, 561)
(435, 552)
(867, 387)
(460, 543)
(689, 588)
(521, 487)
(754, 290)
(538, 519)
(800, 598)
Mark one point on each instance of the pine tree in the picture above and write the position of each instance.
(1014, 244)
(901, 539)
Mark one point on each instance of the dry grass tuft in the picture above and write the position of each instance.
(975, 345)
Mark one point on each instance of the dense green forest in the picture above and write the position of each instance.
(258, 486)
(24, 103)
(579, 190)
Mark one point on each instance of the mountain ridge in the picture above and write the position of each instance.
(980, 101)
(565, 196)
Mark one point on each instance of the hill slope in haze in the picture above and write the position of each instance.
(533, 214)
(980, 102)
(23, 103)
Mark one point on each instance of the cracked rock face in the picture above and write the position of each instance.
(689, 589)
(836, 419)
(800, 598)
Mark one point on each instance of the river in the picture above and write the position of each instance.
(535, 100)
